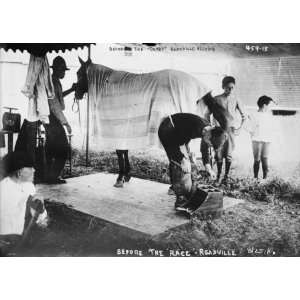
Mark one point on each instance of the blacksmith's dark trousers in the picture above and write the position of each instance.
(168, 137)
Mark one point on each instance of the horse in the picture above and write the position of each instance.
(123, 159)
(167, 92)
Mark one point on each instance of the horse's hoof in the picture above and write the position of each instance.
(127, 177)
(171, 191)
(119, 183)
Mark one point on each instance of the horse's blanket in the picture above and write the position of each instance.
(128, 108)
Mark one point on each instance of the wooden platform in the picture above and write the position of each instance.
(141, 205)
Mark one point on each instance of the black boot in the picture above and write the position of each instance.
(180, 202)
(265, 167)
(219, 167)
(227, 169)
(256, 168)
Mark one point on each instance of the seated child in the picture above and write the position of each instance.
(17, 199)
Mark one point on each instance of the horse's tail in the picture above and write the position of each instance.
(218, 111)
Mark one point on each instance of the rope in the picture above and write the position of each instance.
(77, 110)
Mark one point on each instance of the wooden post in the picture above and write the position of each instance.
(10, 141)
(87, 119)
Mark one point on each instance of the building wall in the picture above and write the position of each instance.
(277, 77)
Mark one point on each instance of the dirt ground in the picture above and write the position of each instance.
(266, 224)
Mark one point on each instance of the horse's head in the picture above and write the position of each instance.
(82, 81)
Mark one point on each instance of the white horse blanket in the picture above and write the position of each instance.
(128, 108)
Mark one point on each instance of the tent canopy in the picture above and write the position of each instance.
(40, 49)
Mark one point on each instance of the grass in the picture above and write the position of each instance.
(155, 167)
(268, 223)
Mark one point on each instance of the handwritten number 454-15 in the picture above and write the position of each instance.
(256, 48)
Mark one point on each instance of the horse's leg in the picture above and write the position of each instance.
(121, 162)
(127, 166)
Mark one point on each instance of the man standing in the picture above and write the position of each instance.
(57, 147)
(231, 105)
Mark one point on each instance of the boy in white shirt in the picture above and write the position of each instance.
(261, 135)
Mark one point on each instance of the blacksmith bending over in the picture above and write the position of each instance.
(231, 105)
(175, 133)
